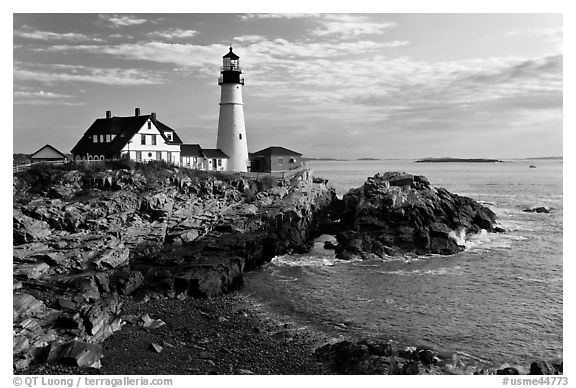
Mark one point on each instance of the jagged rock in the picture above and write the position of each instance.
(115, 255)
(128, 283)
(542, 367)
(82, 354)
(27, 229)
(508, 371)
(157, 348)
(101, 319)
(25, 305)
(31, 271)
(397, 213)
(410, 368)
(149, 323)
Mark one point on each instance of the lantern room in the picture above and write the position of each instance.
(230, 71)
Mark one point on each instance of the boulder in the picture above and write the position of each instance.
(508, 371)
(542, 367)
(82, 354)
(538, 209)
(25, 305)
(27, 229)
(396, 213)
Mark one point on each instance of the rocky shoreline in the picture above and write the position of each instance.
(118, 263)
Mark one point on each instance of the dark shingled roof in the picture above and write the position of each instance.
(214, 154)
(275, 151)
(128, 126)
(191, 150)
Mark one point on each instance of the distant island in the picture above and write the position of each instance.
(457, 160)
(325, 159)
(367, 159)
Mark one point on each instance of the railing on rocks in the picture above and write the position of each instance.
(23, 167)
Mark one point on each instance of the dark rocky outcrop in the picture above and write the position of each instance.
(370, 357)
(538, 209)
(375, 357)
(83, 240)
(396, 213)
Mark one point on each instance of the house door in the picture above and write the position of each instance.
(214, 165)
(169, 156)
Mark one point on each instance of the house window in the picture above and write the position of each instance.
(108, 138)
(149, 125)
(195, 159)
(280, 161)
(149, 154)
(169, 136)
(153, 139)
(158, 155)
(101, 138)
(95, 138)
(139, 155)
(240, 136)
(219, 162)
(143, 139)
(112, 137)
(292, 160)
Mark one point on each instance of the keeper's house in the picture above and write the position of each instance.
(275, 159)
(140, 137)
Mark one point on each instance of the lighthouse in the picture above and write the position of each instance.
(231, 130)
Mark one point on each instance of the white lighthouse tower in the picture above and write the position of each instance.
(231, 131)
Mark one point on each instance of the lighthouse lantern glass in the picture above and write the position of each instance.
(231, 64)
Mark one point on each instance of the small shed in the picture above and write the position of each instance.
(275, 159)
(48, 154)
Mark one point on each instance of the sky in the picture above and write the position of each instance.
(383, 85)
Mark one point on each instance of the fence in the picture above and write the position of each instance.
(23, 167)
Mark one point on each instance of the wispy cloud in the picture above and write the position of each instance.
(250, 16)
(29, 33)
(67, 73)
(175, 33)
(122, 20)
(40, 97)
(349, 26)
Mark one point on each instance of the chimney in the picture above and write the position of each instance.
(108, 114)
(137, 112)
(153, 114)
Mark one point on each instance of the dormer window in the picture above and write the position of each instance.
(168, 136)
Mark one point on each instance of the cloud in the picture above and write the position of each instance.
(175, 33)
(47, 35)
(40, 97)
(332, 25)
(250, 16)
(350, 26)
(68, 73)
(122, 20)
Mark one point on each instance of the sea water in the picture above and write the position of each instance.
(499, 301)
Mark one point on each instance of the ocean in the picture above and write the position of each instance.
(499, 302)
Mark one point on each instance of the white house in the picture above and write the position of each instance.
(139, 137)
(194, 156)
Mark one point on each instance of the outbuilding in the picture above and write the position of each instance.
(275, 159)
(48, 154)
